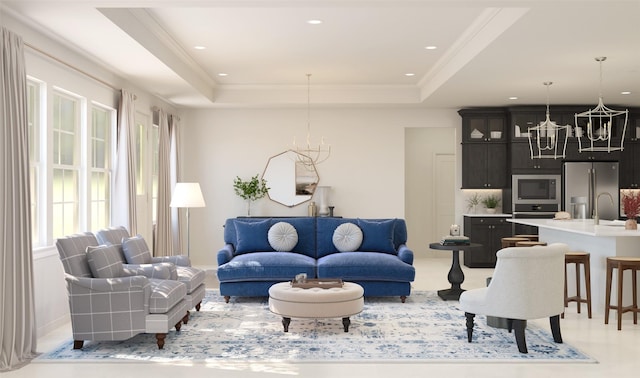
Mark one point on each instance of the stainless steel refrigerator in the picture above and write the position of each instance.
(585, 181)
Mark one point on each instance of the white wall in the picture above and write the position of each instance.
(366, 169)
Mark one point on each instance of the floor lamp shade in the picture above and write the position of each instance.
(187, 194)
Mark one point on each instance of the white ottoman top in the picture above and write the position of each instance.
(283, 291)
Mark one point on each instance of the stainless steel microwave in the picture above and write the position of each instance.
(536, 189)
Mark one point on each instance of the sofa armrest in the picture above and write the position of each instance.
(163, 271)
(225, 254)
(179, 260)
(405, 254)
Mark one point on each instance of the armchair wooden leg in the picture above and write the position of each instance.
(198, 306)
(403, 298)
(160, 339)
(555, 328)
(185, 320)
(77, 344)
(519, 326)
(470, 317)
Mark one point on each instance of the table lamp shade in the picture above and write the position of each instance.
(187, 194)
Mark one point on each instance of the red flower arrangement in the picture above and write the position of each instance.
(631, 204)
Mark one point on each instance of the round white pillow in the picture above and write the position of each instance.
(282, 237)
(347, 237)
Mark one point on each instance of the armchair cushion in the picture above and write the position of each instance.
(105, 261)
(135, 250)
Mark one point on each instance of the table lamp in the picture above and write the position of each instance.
(187, 195)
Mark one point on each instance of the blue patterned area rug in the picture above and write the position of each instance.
(424, 329)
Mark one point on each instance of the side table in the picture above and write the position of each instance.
(455, 276)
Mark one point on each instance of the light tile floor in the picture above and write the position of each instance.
(617, 352)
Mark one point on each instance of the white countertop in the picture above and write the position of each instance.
(487, 215)
(582, 226)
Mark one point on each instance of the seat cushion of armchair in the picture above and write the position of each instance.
(260, 266)
(365, 266)
(165, 294)
(190, 276)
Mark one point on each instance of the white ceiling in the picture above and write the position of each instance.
(487, 50)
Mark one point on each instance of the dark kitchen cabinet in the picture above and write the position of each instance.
(484, 149)
(487, 231)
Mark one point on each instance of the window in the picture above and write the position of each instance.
(155, 172)
(71, 152)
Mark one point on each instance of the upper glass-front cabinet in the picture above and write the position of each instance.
(483, 126)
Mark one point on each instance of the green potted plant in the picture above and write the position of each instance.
(491, 202)
(472, 203)
(250, 190)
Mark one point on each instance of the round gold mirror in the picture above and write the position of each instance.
(291, 177)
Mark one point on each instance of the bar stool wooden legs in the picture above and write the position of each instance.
(529, 243)
(528, 237)
(511, 241)
(578, 258)
(622, 264)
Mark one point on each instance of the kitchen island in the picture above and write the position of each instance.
(607, 239)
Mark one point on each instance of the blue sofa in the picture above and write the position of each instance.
(248, 265)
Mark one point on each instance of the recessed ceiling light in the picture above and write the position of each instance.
(222, 74)
(199, 47)
(625, 92)
(431, 47)
(409, 74)
(314, 22)
(513, 98)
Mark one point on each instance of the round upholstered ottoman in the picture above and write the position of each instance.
(335, 302)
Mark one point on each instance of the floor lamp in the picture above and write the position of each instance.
(187, 195)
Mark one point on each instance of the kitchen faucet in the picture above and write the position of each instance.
(596, 219)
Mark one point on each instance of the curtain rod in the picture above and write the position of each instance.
(46, 54)
(157, 109)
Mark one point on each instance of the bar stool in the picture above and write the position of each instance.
(622, 264)
(528, 237)
(511, 241)
(578, 258)
(529, 243)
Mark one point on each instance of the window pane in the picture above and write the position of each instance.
(65, 202)
(140, 154)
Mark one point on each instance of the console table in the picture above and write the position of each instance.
(455, 276)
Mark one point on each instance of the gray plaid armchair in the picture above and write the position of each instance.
(136, 251)
(109, 301)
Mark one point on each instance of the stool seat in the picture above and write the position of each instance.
(511, 241)
(622, 264)
(578, 258)
(528, 237)
(529, 243)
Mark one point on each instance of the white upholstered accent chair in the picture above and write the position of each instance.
(108, 301)
(136, 251)
(527, 283)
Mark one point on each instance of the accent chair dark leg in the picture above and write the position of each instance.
(555, 329)
(160, 339)
(226, 298)
(519, 326)
(198, 306)
(509, 325)
(470, 317)
(403, 298)
(77, 344)
(185, 320)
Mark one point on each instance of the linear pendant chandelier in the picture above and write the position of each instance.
(548, 140)
(600, 123)
(313, 154)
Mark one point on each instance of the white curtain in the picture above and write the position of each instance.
(17, 309)
(163, 236)
(174, 174)
(124, 199)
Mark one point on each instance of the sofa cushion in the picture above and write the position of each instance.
(282, 237)
(266, 266)
(105, 261)
(136, 250)
(365, 266)
(252, 236)
(377, 235)
(347, 237)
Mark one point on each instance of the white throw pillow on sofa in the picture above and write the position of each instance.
(347, 237)
(283, 237)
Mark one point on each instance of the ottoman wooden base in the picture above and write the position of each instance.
(316, 303)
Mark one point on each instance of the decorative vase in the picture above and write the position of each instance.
(491, 210)
(248, 208)
(631, 224)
